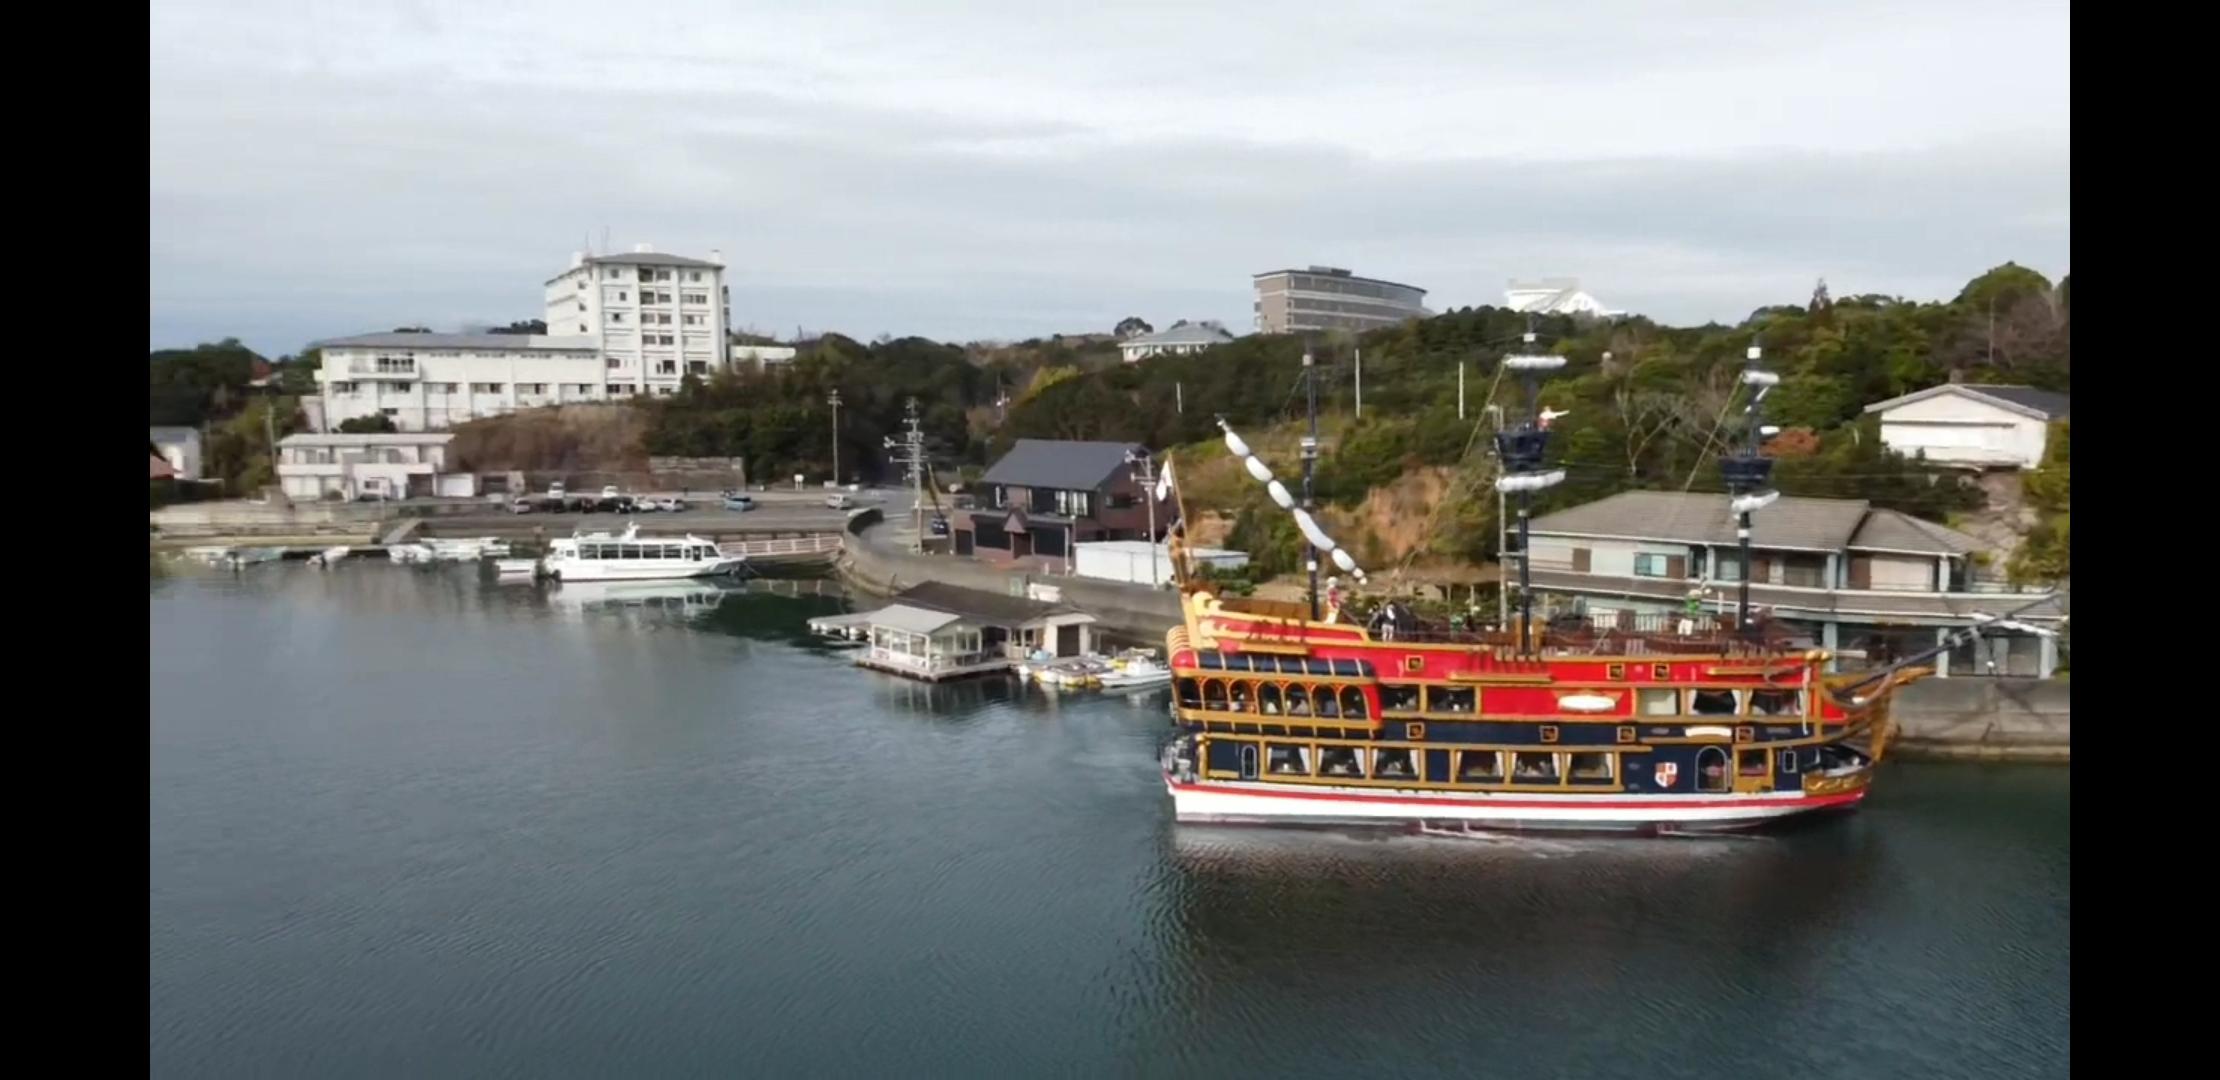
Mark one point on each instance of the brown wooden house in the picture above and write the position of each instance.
(1046, 495)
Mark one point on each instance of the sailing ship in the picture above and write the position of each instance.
(1290, 714)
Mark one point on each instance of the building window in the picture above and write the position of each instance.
(485, 388)
(666, 367)
(1652, 566)
(615, 363)
(1727, 568)
(693, 275)
(621, 295)
(616, 316)
(582, 388)
(581, 328)
(663, 390)
(693, 320)
(390, 412)
(531, 388)
(1001, 496)
(695, 297)
(1073, 503)
(698, 367)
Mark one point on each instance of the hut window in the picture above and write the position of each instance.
(1591, 766)
(1750, 762)
(1339, 761)
(1298, 701)
(1393, 765)
(1712, 703)
(1214, 695)
(1536, 768)
(1480, 766)
(1398, 698)
(1288, 760)
(1190, 695)
(1268, 699)
(1323, 697)
(1658, 701)
(1450, 699)
(1352, 703)
(1776, 703)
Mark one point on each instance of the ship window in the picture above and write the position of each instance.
(1776, 703)
(1399, 699)
(1268, 699)
(1352, 703)
(1591, 766)
(1346, 668)
(1750, 762)
(1322, 697)
(1393, 765)
(1534, 768)
(1450, 699)
(588, 551)
(1339, 761)
(1190, 695)
(1298, 701)
(1789, 761)
(1712, 703)
(1626, 734)
(1241, 697)
(1212, 661)
(1288, 760)
(1658, 702)
(1614, 672)
(1414, 731)
(1661, 672)
(1549, 733)
(1711, 769)
(1480, 766)
(628, 551)
(1214, 695)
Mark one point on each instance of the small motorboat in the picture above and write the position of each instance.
(329, 556)
(1074, 673)
(517, 568)
(1135, 669)
(411, 554)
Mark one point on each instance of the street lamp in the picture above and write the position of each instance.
(834, 401)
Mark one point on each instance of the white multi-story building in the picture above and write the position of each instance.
(425, 382)
(373, 466)
(1554, 296)
(655, 318)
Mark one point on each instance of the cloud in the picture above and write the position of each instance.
(979, 171)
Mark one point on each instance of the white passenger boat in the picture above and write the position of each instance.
(628, 556)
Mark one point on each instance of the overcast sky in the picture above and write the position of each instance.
(979, 169)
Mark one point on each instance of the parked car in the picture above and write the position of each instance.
(670, 504)
(555, 490)
(609, 492)
(735, 500)
(939, 527)
(521, 506)
(618, 504)
(839, 500)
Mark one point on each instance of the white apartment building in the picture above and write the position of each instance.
(425, 382)
(313, 467)
(1555, 296)
(654, 318)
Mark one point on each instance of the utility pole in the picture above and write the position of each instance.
(834, 401)
(1502, 532)
(909, 451)
(1144, 474)
(1461, 390)
(1360, 384)
(1310, 466)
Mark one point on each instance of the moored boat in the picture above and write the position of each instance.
(1289, 712)
(628, 556)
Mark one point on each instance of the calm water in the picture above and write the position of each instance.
(408, 823)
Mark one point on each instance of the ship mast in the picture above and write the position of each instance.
(1747, 473)
(1520, 448)
(1310, 465)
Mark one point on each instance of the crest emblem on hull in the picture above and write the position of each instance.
(1667, 772)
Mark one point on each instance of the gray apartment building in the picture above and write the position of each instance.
(1330, 298)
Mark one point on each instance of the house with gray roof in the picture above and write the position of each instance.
(1046, 495)
(1861, 578)
(1184, 338)
(1973, 425)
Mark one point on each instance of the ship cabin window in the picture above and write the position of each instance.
(1751, 763)
(1298, 701)
(1393, 765)
(1712, 703)
(1789, 762)
(1288, 760)
(1591, 768)
(1339, 761)
(1711, 769)
(1658, 701)
(1443, 699)
(1534, 768)
(1480, 766)
(1268, 699)
(1214, 695)
(1241, 697)
(1190, 695)
(1352, 703)
(1322, 699)
(1776, 703)
(1395, 698)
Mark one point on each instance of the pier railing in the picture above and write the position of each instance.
(819, 544)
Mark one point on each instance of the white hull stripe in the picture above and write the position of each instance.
(1251, 802)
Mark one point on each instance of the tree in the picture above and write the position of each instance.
(2047, 553)
(189, 386)
(1131, 325)
(374, 424)
(521, 326)
(412, 329)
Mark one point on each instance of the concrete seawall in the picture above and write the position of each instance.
(872, 561)
(1986, 718)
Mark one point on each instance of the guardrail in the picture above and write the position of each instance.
(819, 544)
